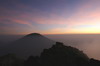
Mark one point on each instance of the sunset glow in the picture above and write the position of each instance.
(50, 16)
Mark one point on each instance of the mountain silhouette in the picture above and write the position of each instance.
(31, 44)
(61, 55)
(34, 34)
(57, 55)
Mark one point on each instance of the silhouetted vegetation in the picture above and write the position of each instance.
(60, 55)
(32, 61)
(57, 55)
(94, 62)
(10, 60)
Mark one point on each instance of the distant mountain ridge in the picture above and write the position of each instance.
(34, 34)
(31, 44)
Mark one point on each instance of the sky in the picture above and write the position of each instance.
(49, 16)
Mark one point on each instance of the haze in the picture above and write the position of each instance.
(88, 43)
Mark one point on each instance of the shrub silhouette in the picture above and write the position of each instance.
(94, 62)
(10, 60)
(32, 61)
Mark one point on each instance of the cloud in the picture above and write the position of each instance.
(85, 14)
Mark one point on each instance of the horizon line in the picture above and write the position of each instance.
(56, 34)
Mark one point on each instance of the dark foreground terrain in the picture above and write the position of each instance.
(57, 55)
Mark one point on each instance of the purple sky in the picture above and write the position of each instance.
(49, 16)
